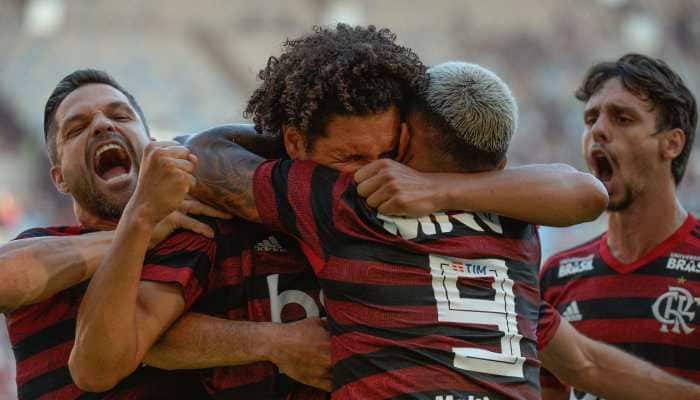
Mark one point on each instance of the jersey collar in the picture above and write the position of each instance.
(678, 237)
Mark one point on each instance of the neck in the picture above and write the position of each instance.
(648, 221)
(91, 221)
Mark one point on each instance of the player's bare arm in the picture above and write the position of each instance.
(224, 173)
(544, 194)
(608, 372)
(266, 146)
(120, 317)
(300, 349)
(34, 269)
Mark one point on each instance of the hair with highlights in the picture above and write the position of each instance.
(65, 87)
(473, 112)
(654, 81)
(343, 70)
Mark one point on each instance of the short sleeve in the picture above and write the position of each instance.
(548, 324)
(186, 259)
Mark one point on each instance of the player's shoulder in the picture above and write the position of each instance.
(68, 230)
(315, 173)
(182, 240)
(686, 245)
(579, 253)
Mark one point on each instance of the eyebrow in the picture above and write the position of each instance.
(623, 109)
(115, 105)
(618, 108)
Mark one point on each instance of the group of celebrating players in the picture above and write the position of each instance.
(362, 240)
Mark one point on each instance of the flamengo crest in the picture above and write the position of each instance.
(676, 308)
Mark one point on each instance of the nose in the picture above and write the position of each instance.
(600, 131)
(101, 125)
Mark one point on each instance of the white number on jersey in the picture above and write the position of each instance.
(500, 311)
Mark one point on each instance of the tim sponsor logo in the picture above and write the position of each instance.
(470, 397)
(684, 262)
(575, 265)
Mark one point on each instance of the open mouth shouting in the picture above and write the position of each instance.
(602, 166)
(112, 162)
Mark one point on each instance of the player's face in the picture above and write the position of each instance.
(351, 142)
(418, 154)
(619, 143)
(99, 139)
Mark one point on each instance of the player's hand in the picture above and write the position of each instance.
(165, 179)
(304, 353)
(177, 220)
(395, 189)
(195, 207)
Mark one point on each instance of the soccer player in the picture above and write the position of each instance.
(566, 342)
(637, 286)
(377, 274)
(45, 270)
(348, 134)
(95, 134)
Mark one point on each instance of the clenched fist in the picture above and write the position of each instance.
(395, 189)
(165, 179)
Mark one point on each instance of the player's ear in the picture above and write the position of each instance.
(671, 144)
(404, 141)
(58, 181)
(294, 143)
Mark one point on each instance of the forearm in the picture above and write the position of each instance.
(107, 336)
(224, 174)
(32, 270)
(552, 194)
(618, 375)
(608, 372)
(201, 341)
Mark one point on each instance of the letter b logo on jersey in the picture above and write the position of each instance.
(279, 300)
(673, 308)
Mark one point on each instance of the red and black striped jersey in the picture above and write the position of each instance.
(648, 308)
(261, 277)
(548, 324)
(42, 334)
(444, 306)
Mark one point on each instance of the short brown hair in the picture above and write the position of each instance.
(652, 79)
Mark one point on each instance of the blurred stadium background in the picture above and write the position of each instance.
(193, 64)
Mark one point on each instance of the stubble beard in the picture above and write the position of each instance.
(97, 203)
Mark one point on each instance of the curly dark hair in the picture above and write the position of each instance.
(346, 70)
(653, 80)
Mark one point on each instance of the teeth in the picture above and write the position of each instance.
(105, 148)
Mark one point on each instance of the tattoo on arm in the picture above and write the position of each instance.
(225, 174)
